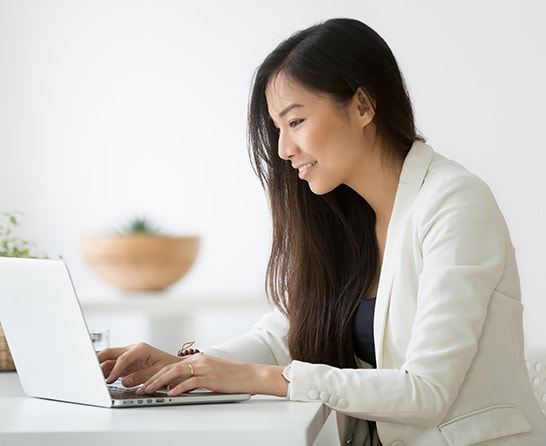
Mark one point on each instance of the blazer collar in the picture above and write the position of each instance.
(413, 173)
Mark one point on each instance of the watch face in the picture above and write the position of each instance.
(286, 373)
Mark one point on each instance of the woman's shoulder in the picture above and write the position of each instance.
(447, 187)
(444, 176)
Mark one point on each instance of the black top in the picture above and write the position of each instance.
(363, 331)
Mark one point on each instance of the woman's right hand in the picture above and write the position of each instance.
(135, 364)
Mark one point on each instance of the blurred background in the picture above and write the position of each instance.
(116, 108)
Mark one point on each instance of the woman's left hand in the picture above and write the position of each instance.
(219, 375)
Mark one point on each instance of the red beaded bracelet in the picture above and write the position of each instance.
(185, 350)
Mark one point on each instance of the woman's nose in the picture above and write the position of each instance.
(287, 148)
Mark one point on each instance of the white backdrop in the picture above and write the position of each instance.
(110, 109)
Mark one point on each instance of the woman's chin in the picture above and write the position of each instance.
(319, 189)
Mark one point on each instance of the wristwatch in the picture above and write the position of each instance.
(287, 375)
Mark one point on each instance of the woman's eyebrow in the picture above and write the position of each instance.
(287, 109)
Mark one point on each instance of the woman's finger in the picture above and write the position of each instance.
(183, 387)
(130, 361)
(140, 376)
(169, 375)
(107, 367)
(111, 353)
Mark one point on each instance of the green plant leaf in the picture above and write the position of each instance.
(139, 225)
(12, 245)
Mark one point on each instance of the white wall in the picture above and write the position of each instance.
(114, 108)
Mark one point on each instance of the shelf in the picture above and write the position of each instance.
(166, 304)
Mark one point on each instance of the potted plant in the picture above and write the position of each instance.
(139, 256)
(13, 245)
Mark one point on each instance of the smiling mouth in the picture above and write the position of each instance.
(306, 166)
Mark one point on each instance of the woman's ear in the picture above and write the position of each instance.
(365, 106)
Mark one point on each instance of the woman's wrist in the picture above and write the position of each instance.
(270, 380)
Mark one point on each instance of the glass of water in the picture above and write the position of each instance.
(100, 339)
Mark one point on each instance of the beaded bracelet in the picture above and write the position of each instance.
(185, 350)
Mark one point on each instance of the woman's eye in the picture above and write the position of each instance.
(295, 123)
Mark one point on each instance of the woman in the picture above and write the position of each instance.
(392, 271)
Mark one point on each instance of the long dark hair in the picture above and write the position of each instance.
(324, 255)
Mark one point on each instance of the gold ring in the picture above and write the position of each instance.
(192, 372)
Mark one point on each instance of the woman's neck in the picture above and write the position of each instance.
(377, 182)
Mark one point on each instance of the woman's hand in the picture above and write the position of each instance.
(215, 374)
(134, 364)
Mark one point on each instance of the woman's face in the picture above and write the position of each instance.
(326, 144)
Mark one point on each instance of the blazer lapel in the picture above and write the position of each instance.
(411, 178)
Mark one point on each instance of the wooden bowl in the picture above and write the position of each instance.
(140, 262)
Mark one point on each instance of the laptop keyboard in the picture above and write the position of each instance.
(121, 393)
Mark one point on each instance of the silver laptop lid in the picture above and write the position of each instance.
(47, 333)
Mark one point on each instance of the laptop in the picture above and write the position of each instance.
(51, 345)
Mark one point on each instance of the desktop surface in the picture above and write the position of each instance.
(260, 420)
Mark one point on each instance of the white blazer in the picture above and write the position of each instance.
(447, 326)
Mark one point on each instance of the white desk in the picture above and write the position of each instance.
(259, 421)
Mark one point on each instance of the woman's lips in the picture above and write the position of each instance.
(302, 170)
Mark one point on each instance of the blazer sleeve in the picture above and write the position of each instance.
(456, 235)
(265, 343)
